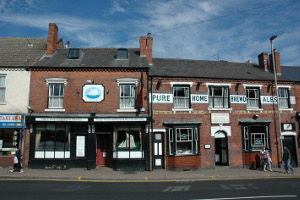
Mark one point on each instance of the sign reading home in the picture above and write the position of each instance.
(93, 93)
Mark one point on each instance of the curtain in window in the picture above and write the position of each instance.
(127, 96)
(181, 97)
(56, 95)
(283, 98)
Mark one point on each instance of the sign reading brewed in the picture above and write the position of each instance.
(93, 93)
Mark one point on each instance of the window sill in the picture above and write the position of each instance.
(223, 109)
(127, 110)
(286, 109)
(255, 109)
(55, 110)
(182, 110)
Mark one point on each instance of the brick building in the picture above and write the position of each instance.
(208, 113)
(89, 107)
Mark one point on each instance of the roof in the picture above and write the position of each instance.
(16, 52)
(291, 73)
(163, 67)
(94, 57)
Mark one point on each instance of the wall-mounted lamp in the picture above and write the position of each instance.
(159, 82)
(90, 81)
(237, 86)
(255, 116)
(199, 83)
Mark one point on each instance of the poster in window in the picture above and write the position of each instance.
(80, 146)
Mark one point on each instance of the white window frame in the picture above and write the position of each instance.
(127, 81)
(189, 140)
(131, 97)
(256, 99)
(186, 98)
(285, 98)
(211, 98)
(3, 87)
(51, 82)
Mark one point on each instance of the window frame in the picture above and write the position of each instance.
(173, 141)
(211, 97)
(186, 97)
(256, 98)
(248, 137)
(3, 87)
(285, 98)
(52, 82)
(131, 97)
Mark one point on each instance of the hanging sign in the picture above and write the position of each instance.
(93, 93)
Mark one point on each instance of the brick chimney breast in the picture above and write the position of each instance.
(263, 60)
(146, 44)
(52, 39)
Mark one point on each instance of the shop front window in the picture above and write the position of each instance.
(128, 142)
(9, 140)
(52, 141)
(183, 141)
(255, 137)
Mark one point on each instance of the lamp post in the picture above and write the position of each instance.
(277, 96)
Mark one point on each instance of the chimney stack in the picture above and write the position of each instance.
(146, 44)
(277, 62)
(263, 60)
(67, 44)
(52, 39)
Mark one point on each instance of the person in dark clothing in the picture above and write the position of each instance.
(286, 159)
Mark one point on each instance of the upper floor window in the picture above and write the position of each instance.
(74, 53)
(56, 92)
(181, 96)
(218, 97)
(2, 87)
(127, 93)
(253, 97)
(283, 94)
(127, 96)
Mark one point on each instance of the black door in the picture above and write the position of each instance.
(158, 151)
(289, 141)
(221, 151)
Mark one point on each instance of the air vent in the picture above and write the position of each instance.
(122, 53)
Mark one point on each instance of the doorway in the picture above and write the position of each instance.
(221, 149)
(103, 151)
(158, 150)
(290, 142)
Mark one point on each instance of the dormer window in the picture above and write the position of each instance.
(122, 53)
(74, 53)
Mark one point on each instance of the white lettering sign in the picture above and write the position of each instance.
(162, 98)
(198, 98)
(268, 100)
(238, 99)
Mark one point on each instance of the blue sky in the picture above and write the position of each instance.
(232, 30)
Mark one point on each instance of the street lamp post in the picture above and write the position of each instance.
(277, 96)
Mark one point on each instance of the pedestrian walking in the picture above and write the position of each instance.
(269, 161)
(287, 160)
(17, 162)
(264, 158)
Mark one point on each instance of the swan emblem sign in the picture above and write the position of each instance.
(93, 93)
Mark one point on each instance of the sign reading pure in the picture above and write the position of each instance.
(93, 93)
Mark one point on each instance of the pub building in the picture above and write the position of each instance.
(217, 113)
(89, 107)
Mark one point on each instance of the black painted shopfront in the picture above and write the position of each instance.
(88, 141)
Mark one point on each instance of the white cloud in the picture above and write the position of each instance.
(116, 7)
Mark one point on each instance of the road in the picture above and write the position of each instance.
(214, 189)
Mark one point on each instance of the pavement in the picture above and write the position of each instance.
(104, 174)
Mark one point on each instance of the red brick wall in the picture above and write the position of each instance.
(7, 160)
(163, 111)
(184, 162)
(73, 102)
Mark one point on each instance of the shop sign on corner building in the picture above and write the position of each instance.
(93, 93)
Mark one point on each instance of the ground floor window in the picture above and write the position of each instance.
(128, 142)
(52, 141)
(255, 137)
(183, 140)
(9, 140)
